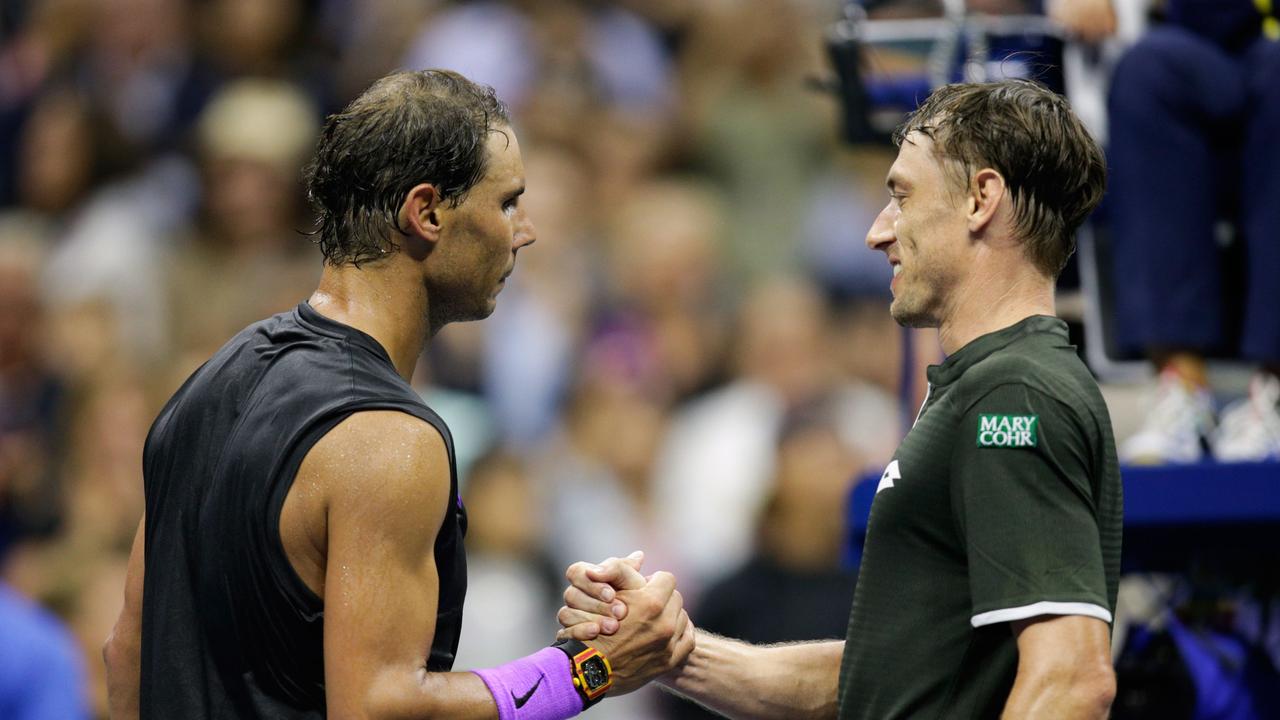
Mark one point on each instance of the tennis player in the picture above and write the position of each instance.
(992, 557)
(301, 553)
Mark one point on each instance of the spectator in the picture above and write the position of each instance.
(41, 672)
(596, 481)
(753, 126)
(666, 283)
(716, 462)
(591, 75)
(532, 341)
(245, 258)
(33, 397)
(1193, 111)
(513, 590)
(792, 588)
(108, 213)
(140, 66)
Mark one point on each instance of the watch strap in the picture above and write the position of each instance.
(580, 653)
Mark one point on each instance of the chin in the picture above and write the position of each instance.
(468, 314)
(913, 317)
(479, 313)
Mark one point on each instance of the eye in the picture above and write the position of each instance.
(509, 206)
(898, 197)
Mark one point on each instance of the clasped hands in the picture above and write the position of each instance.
(638, 622)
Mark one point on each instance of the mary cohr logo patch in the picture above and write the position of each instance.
(1008, 431)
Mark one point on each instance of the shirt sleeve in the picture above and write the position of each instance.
(1024, 503)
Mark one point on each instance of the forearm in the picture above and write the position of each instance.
(540, 685)
(408, 695)
(740, 680)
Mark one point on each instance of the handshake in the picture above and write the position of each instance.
(639, 623)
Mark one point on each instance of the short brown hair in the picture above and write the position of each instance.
(407, 128)
(1054, 169)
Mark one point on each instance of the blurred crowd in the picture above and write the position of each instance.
(695, 359)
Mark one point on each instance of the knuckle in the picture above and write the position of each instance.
(651, 606)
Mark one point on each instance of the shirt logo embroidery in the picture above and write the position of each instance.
(891, 473)
(1008, 431)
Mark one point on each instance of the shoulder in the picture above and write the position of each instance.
(387, 460)
(1002, 368)
(1051, 402)
(1055, 382)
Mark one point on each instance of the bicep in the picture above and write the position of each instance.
(1064, 669)
(1044, 639)
(1069, 651)
(386, 479)
(380, 608)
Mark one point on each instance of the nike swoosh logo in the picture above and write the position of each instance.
(520, 701)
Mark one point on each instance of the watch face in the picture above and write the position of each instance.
(594, 672)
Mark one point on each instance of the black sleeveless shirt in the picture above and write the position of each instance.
(228, 628)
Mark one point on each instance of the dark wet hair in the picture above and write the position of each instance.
(408, 128)
(1054, 169)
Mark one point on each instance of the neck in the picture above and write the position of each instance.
(389, 305)
(974, 311)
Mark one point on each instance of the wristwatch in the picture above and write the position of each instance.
(592, 674)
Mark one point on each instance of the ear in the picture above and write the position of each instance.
(420, 218)
(987, 191)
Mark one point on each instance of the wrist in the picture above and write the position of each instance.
(590, 670)
(537, 687)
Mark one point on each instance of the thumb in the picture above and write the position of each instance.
(629, 578)
(621, 573)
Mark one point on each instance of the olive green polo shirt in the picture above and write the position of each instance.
(1002, 503)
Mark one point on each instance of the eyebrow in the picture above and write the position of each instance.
(515, 193)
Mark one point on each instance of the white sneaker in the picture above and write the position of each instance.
(1250, 428)
(1176, 428)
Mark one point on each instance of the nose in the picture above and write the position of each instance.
(881, 234)
(525, 234)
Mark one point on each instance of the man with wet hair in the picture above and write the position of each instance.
(302, 540)
(992, 555)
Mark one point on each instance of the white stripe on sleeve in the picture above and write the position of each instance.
(1041, 608)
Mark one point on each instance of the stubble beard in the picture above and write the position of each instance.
(922, 308)
(911, 314)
